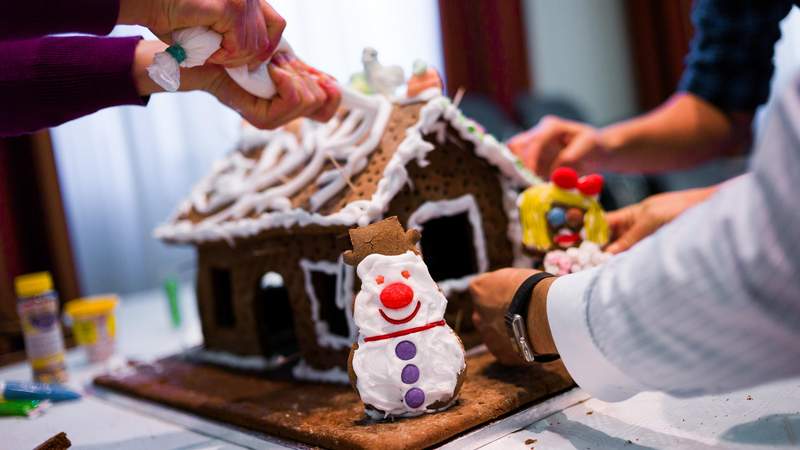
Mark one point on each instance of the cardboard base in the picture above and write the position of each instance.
(331, 415)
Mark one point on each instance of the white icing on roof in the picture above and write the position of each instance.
(246, 195)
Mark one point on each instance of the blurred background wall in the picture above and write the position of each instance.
(580, 52)
(122, 171)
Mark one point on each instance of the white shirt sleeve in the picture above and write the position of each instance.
(566, 312)
(711, 302)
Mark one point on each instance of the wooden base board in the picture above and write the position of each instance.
(331, 415)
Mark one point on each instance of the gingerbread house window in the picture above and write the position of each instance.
(453, 244)
(273, 313)
(329, 286)
(222, 293)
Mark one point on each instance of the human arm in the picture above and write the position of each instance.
(633, 223)
(30, 18)
(707, 304)
(684, 131)
(251, 29)
(48, 81)
(727, 76)
(698, 308)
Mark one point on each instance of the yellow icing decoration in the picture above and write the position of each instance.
(536, 201)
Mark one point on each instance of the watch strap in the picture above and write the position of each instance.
(517, 316)
(522, 298)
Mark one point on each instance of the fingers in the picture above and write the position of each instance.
(638, 231)
(620, 220)
(299, 95)
(628, 226)
(331, 105)
(315, 94)
(491, 294)
(576, 152)
(539, 147)
(275, 27)
(251, 31)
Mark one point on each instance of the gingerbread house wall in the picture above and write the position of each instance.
(453, 171)
(247, 262)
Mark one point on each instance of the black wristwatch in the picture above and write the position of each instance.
(516, 321)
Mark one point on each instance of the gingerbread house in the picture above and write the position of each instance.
(270, 222)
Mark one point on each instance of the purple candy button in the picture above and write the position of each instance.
(415, 397)
(405, 350)
(410, 374)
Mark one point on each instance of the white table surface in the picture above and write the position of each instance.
(765, 417)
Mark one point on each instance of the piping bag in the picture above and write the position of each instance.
(192, 47)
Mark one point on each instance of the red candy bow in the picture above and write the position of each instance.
(591, 184)
(567, 178)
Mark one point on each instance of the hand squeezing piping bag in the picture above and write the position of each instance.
(192, 47)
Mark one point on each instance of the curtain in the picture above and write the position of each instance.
(660, 32)
(124, 170)
(484, 49)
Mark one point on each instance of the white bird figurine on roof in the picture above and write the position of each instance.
(383, 79)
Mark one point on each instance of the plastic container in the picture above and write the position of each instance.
(37, 306)
(94, 325)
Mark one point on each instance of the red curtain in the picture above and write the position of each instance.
(660, 31)
(484, 48)
(33, 229)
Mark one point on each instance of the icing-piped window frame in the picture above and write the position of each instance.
(450, 207)
(344, 300)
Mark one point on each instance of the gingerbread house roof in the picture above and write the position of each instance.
(341, 173)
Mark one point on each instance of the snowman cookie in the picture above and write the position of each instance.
(407, 361)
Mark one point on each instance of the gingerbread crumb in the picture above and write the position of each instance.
(589, 413)
(58, 442)
(530, 441)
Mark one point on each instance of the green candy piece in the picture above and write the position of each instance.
(18, 408)
(171, 289)
(177, 52)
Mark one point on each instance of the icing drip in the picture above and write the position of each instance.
(302, 371)
(404, 375)
(344, 295)
(237, 361)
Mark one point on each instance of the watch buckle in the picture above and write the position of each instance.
(519, 337)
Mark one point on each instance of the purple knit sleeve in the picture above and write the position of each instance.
(48, 81)
(29, 18)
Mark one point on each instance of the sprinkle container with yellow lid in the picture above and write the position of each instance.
(94, 325)
(37, 306)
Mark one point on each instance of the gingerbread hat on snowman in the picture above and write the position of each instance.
(407, 361)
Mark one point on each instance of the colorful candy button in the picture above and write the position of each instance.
(405, 350)
(575, 217)
(415, 397)
(410, 374)
(556, 217)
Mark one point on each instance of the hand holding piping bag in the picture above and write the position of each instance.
(269, 95)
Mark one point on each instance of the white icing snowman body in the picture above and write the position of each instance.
(408, 360)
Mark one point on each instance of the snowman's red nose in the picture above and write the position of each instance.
(397, 295)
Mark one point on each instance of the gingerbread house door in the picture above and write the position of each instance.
(453, 244)
(329, 287)
(274, 316)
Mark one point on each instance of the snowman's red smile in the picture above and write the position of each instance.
(404, 319)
